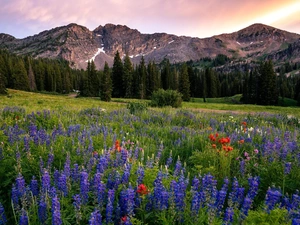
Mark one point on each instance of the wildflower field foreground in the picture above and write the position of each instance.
(150, 166)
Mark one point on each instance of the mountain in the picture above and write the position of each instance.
(78, 44)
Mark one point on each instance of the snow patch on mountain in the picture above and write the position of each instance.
(97, 53)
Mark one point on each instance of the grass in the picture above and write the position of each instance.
(38, 101)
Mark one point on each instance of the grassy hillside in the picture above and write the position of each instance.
(37, 101)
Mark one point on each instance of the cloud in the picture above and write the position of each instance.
(200, 18)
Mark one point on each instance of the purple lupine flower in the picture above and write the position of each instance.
(15, 197)
(150, 162)
(34, 186)
(77, 206)
(75, 173)
(26, 144)
(99, 189)
(178, 168)
(109, 206)
(195, 204)
(42, 210)
(56, 176)
(32, 130)
(126, 174)
(136, 153)
(50, 160)
(102, 164)
(236, 195)
(272, 198)
(20, 184)
(52, 192)
(221, 196)
(296, 221)
(56, 216)
(124, 155)
(245, 208)
(158, 155)
(3, 219)
(127, 201)
(45, 181)
(96, 218)
(159, 196)
(67, 169)
(84, 186)
(253, 187)
(62, 184)
(287, 168)
(141, 173)
(228, 217)
(23, 218)
(169, 160)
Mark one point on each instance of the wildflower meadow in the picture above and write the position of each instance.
(150, 166)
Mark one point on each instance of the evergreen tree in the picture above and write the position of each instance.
(153, 79)
(193, 80)
(31, 77)
(106, 84)
(142, 79)
(211, 83)
(204, 85)
(20, 77)
(39, 71)
(268, 94)
(3, 90)
(128, 77)
(166, 74)
(184, 83)
(93, 80)
(117, 77)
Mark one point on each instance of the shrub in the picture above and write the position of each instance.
(161, 98)
(135, 107)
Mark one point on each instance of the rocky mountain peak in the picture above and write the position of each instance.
(78, 44)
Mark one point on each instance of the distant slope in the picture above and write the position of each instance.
(77, 44)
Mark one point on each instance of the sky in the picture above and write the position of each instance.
(195, 18)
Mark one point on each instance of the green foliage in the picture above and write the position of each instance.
(106, 84)
(275, 217)
(117, 76)
(136, 107)
(184, 83)
(161, 98)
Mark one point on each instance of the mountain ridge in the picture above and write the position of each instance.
(77, 44)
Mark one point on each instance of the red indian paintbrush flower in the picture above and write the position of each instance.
(142, 189)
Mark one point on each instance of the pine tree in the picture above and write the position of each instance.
(211, 83)
(31, 77)
(3, 80)
(166, 74)
(128, 77)
(39, 71)
(184, 83)
(117, 77)
(3, 90)
(153, 79)
(142, 79)
(93, 80)
(268, 94)
(20, 76)
(106, 86)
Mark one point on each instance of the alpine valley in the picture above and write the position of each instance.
(77, 44)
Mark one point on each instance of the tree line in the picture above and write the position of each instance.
(259, 85)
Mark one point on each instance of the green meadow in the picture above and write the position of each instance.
(69, 160)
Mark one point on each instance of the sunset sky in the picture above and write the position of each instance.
(196, 18)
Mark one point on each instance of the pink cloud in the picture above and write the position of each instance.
(200, 18)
